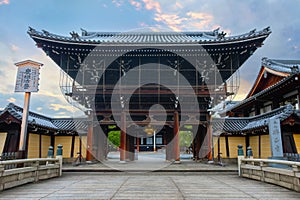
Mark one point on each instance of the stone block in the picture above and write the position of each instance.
(17, 183)
(286, 178)
(10, 178)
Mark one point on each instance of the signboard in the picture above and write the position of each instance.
(275, 137)
(27, 79)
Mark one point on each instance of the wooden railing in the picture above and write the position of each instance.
(27, 171)
(279, 172)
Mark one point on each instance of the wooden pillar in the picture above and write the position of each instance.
(89, 149)
(102, 143)
(169, 144)
(198, 141)
(259, 145)
(209, 138)
(72, 147)
(176, 137)
(298, 99)
(138, 144)
(40, 145)
(123, 138)
(127, 152)
(227, 146)
(130, 147)
(195, 130)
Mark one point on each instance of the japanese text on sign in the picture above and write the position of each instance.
(27, 79)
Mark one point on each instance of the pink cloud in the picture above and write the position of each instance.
(152, 5)
(118, 3)
(11, 100)
(173, 21)
(4, 2)
(137, 4)
(14, 47)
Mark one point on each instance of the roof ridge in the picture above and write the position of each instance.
(102, 37)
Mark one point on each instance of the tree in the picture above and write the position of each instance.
(185, 138)
(114, 138)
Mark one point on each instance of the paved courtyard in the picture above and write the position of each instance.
(164, 185)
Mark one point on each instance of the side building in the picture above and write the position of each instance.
(268, 119)
(42, 132)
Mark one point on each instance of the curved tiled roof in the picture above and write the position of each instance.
(34, 119)
(257, 95)
(284, 66)
(147, 37)
(239, 125)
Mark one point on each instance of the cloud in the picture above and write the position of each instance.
(137, 4)
(152, 5)
(2, 2)
(14, 47)
(39, 108)
(176, 17)
(173, 21)
(12, 100)
(57, 107)
(243, 89)
(118, 3)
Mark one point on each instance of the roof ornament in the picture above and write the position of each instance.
(46, 32)
(74, 35)
(31, 30)
(216, 31)
(267, 29)
(252, 32)
(221, 35)
(295, 69)
(83, 32)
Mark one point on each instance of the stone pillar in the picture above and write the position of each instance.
(50, 152)
(176, 137)
(59, 155)
(123, 138)
(240, 156)
(249, 152)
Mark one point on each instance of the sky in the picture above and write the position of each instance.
(62, 17)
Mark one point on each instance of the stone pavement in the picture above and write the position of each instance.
(148, 162)
(164, 185)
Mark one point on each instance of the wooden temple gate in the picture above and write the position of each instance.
(95, 64)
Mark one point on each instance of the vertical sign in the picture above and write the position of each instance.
(27, 81)
(275, 137)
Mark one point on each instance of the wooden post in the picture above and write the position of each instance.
(169, 144)
(176, 137)
(89, 149)
(23, 134)
(138, 143)
(209, 138)
(123, 138)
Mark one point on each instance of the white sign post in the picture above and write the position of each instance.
(27, 81)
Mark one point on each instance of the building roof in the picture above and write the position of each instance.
(288, 83)
(55, 124)
(272, 71)
(284, 66)
(147, 37)
(239, 125)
